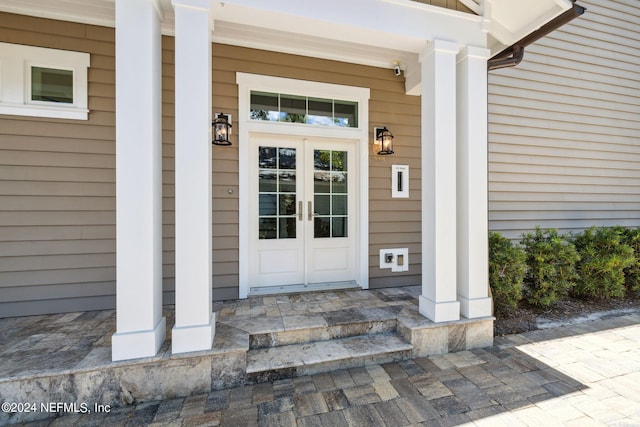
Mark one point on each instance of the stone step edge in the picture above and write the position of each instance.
(295, 356)
(311, 334)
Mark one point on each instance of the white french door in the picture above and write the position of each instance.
(302, 211)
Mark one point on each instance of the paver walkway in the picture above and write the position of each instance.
(579, 375)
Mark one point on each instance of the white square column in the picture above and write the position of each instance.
(473, 246)
(195, 321)
(140, 327)
(438, 67)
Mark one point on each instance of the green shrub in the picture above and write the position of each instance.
(550, 259)
(603, 258)
(631, 237)
(506, 271)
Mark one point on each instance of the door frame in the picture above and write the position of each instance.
(245, 127)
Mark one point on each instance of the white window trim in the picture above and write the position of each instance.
(15, 81)
(254, 82)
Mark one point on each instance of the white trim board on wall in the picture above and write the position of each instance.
(248, 82)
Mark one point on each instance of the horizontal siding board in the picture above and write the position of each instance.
(64, 145)
(561, 89)
(56, 188)
(56, 203)
(56, 232)
(58, 247)
(46, 277)
(500, 165)
(48, 173)
(56, 262)
(31, 307)
(544, 194)
(25, 158)
(71, 290)
(17, 218)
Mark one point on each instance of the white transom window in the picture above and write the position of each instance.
(41, 82)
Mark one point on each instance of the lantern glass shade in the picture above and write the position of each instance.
(221, 129)
(384, 141)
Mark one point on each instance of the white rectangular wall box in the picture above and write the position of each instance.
(400, 181)
(397, 259)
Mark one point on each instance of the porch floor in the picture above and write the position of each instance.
(67, 357)
(36, 345)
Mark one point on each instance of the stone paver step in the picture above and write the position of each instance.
(305, 332)
(268, 364)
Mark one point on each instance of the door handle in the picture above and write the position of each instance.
(300, 205)
(309, 210)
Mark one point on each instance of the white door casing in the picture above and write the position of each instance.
(357, 138)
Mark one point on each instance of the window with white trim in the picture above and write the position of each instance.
(282, 107)
(41, 82)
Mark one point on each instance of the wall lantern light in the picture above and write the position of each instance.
(383, 140)
(221, 129)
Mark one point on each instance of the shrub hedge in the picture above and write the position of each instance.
(547, 266)
(551, 271)
(603, 259)
(506, 271)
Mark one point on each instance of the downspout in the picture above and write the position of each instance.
(511, 56)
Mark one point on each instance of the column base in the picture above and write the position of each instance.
(475, 308)
(134, 345)
(193, 338)
(439, 311)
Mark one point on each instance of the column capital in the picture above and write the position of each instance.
(474, 52)
(155, 4)
(439, 46)
(192, 4)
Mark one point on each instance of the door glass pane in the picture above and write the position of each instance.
(321, 182)
(338, 182)
(338, 160)
(339, 227)
(321, 204)
(267, 204)
(321, 227)
(267, 157)
(277, 193)
(321, 160)
(287, 228)
(330, 197)
(267, 180)
(267, 228)
(287, 181)
(339, 205)
(287, 204)
(287, 158)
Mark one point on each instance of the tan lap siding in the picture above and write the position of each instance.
(57, 185)
(564, 127)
